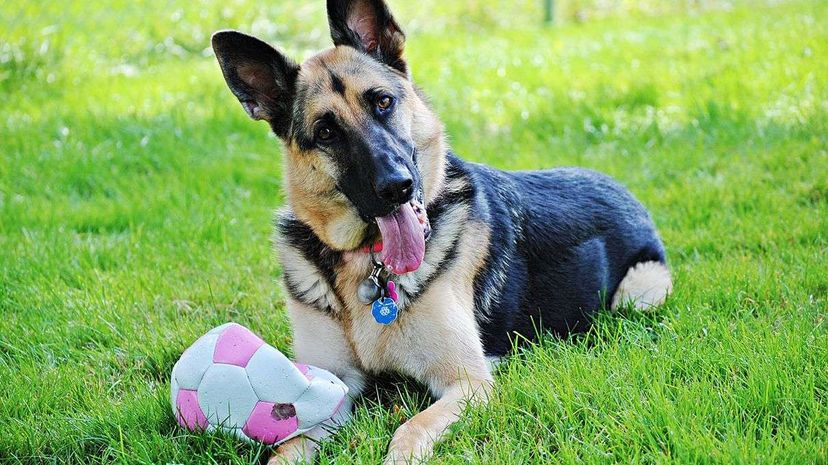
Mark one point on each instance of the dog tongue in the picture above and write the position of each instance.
(403, 240)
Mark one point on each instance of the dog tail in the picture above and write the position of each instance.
(646, 286)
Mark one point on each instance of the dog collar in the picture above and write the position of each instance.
(380, 294)
(374, 248)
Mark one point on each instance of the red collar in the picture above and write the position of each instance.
(376, 248)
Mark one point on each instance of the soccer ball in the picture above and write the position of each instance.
(230, 380)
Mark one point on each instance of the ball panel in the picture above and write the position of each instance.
(173, 393)
(320, 402)
(265, 426)
(316, 372)
(339, 405)
(225, 396)
(188, 411)
(236, 432)
(220, 329)
(304, 369)
(274, 377)
(194, 362)
(236, 345)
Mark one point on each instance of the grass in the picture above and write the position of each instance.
(136, 199)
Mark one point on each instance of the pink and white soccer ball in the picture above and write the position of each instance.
(230, 379)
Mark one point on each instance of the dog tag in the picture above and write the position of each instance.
(369, 290)
(392, 291)
(384, 310)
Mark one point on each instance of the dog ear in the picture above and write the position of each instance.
(367, 25)
(262, 78)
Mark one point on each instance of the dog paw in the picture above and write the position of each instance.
(292, 452)
(410, 445)
(282, 459)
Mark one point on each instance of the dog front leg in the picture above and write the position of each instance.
(414, 441)
(319, 341)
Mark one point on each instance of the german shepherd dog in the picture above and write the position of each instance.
(477, 255)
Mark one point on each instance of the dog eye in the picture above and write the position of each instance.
(384, 103)
(324, 134)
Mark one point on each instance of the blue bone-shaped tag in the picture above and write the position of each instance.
(384, 310)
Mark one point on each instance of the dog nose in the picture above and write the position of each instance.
(396, 189)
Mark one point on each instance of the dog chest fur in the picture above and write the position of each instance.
(436, 333)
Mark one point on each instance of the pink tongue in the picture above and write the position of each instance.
(403, 243)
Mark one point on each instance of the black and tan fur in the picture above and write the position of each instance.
(509, 253)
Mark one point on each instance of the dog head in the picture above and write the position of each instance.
(360, 142)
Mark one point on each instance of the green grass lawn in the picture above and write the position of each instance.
(136, 202)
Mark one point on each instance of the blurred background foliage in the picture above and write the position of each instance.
(117, 36)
